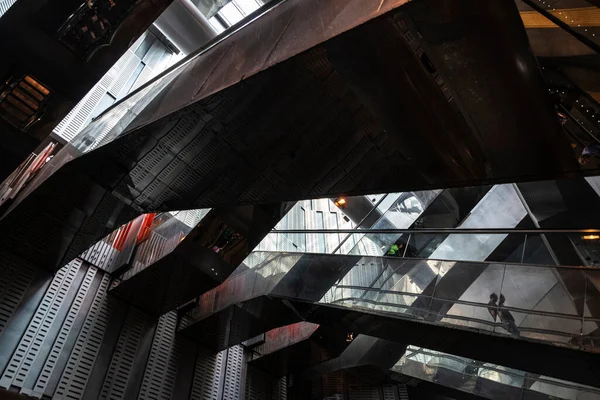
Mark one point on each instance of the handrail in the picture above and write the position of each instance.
(575, 267)
(439, 230)
(210, 44)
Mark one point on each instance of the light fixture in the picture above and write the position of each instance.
(590, 237)
(340, 202)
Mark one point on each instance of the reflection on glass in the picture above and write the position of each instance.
(485, 379)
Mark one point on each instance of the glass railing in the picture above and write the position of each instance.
(557, 305)
(503, 245)
(550, 304)
(485, 379)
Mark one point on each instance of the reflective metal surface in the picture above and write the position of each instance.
(177, 263)
(542, 303)
(365, 126)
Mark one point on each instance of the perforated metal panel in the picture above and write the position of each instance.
(280, 389)
(389, 392)
(403, 392)
(5, 5)
(81, 361)
(119, 370)
(65, 329)
(37, 330)
(363, 393)
(256, 386)
(14, 281)
(161, 369)
(206, 375)
(78, 117)
(233, 373)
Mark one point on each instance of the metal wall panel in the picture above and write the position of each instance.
(122, 364)
(65, 330)
(234, 373)
(81, 362)
(14, 282)
(161, 369)
(207, 375)
(390, 392)
(30, 345)
(280, 389)
(5, 5)
(256, 385)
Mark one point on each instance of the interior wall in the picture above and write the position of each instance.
(63, 337)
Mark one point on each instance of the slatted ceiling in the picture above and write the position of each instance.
(31, 342)
(206, 375)
(64, 332)
(161, 369)
(14, 282)
(81, 361)
(121, 363)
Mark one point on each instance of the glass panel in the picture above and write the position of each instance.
(465, 292)
(485, 379)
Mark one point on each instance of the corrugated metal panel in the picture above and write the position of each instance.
(161, 369)
(81, 361)
(206, 375)
(121, 363)
(30, 345)
(61, 339)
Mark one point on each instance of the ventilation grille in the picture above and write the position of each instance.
(79, 367)
(22, 101)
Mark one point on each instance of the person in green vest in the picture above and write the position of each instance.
(393, 251)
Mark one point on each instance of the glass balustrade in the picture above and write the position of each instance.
(486, 379)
